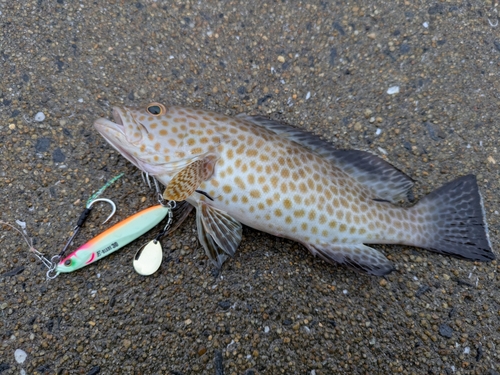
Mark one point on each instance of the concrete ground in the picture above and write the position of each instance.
(324, 66)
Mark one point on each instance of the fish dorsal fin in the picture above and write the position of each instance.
(302, 137)
(186, 181)
(219, 233)
(385, 181)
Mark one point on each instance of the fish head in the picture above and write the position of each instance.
(158, 139)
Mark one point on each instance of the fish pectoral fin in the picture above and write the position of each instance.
(187, 180)
(357, 256)
(218, 232)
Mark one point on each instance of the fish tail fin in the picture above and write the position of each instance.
(455, 221)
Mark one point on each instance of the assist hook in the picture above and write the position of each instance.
(113, 206)
(83, 217)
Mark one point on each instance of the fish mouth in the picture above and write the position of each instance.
(114, 133)
(103, 124)
(117, 116)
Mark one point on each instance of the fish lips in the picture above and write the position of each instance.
(114, 134)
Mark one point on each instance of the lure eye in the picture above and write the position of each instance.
(67, 262)
(156, 109)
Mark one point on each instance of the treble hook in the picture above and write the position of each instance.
(113, 205)
(145, 178)
(159, 194)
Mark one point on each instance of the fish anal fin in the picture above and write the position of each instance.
(186, 181)
(219, 233)
(383, 180)
(357, 256)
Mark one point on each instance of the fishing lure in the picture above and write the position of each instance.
(114, 238)
(149, 257)
(52, 263)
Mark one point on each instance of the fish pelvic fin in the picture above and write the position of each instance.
(180, 213)
(458, 226)
(218, 233)
(356, 256)
(186, 181)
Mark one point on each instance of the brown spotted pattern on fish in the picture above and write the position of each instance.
(290, 183)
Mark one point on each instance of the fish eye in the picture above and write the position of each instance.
(67, 262)
(156, 109)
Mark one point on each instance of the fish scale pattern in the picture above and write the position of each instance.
(290, 183)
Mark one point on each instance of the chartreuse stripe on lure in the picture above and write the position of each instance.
(113, 239)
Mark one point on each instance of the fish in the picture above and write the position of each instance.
(282, 180)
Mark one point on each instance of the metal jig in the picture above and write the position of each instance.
(52, 263)
(114, 238)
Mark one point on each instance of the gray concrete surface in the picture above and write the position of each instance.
(324, 66)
